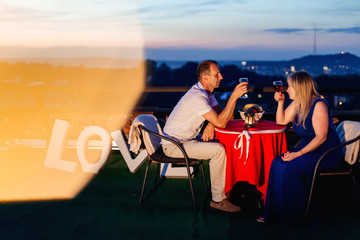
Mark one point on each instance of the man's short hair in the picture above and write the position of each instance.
(204, 68)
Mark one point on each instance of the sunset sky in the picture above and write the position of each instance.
(178, 30)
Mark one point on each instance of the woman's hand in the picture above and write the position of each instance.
(278, 96)
(288, 156)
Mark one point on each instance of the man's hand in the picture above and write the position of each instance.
(208, 133)
(240, 89)
(221, 119)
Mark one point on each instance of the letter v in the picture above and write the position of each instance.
(133, 164)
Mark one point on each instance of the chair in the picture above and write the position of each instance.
(345, 168)
(150, 136)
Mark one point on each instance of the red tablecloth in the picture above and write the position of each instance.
(249, 156)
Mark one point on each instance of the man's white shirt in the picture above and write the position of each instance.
(186, 120)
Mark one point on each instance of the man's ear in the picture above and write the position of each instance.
(205, 77)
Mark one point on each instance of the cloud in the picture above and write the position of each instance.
(93, 15)
(23, 14)
(286, 30)
(355, 30)
(188, 8)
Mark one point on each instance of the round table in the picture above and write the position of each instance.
(250, 151)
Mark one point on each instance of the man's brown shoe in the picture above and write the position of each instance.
(225, 205)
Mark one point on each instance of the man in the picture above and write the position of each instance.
(186, 120)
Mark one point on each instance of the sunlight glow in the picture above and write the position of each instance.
(57, 113)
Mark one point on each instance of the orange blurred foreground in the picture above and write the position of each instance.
(55, 125)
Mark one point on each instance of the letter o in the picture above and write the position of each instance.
(82, 143)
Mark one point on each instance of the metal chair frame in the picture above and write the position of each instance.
(196, 163)
(331, 172)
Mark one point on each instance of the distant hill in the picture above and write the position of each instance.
(333, 64)
(343, 58)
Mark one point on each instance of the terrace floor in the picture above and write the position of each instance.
(108, 209)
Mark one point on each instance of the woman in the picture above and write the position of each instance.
(290, 174)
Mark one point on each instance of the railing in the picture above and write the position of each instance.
(338, 111)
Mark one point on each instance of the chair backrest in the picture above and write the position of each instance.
(152, 143)
(348, 130)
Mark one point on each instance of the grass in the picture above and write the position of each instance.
(108, 208)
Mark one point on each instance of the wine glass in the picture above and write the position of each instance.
(278, 87)
(247, 83)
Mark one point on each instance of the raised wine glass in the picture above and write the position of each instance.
(247, 83)
(278, 86)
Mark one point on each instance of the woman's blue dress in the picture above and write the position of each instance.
(289, 182)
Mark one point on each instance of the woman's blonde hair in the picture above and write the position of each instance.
(305, 90)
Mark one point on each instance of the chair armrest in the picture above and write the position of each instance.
(178, 144)
(316, 170)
